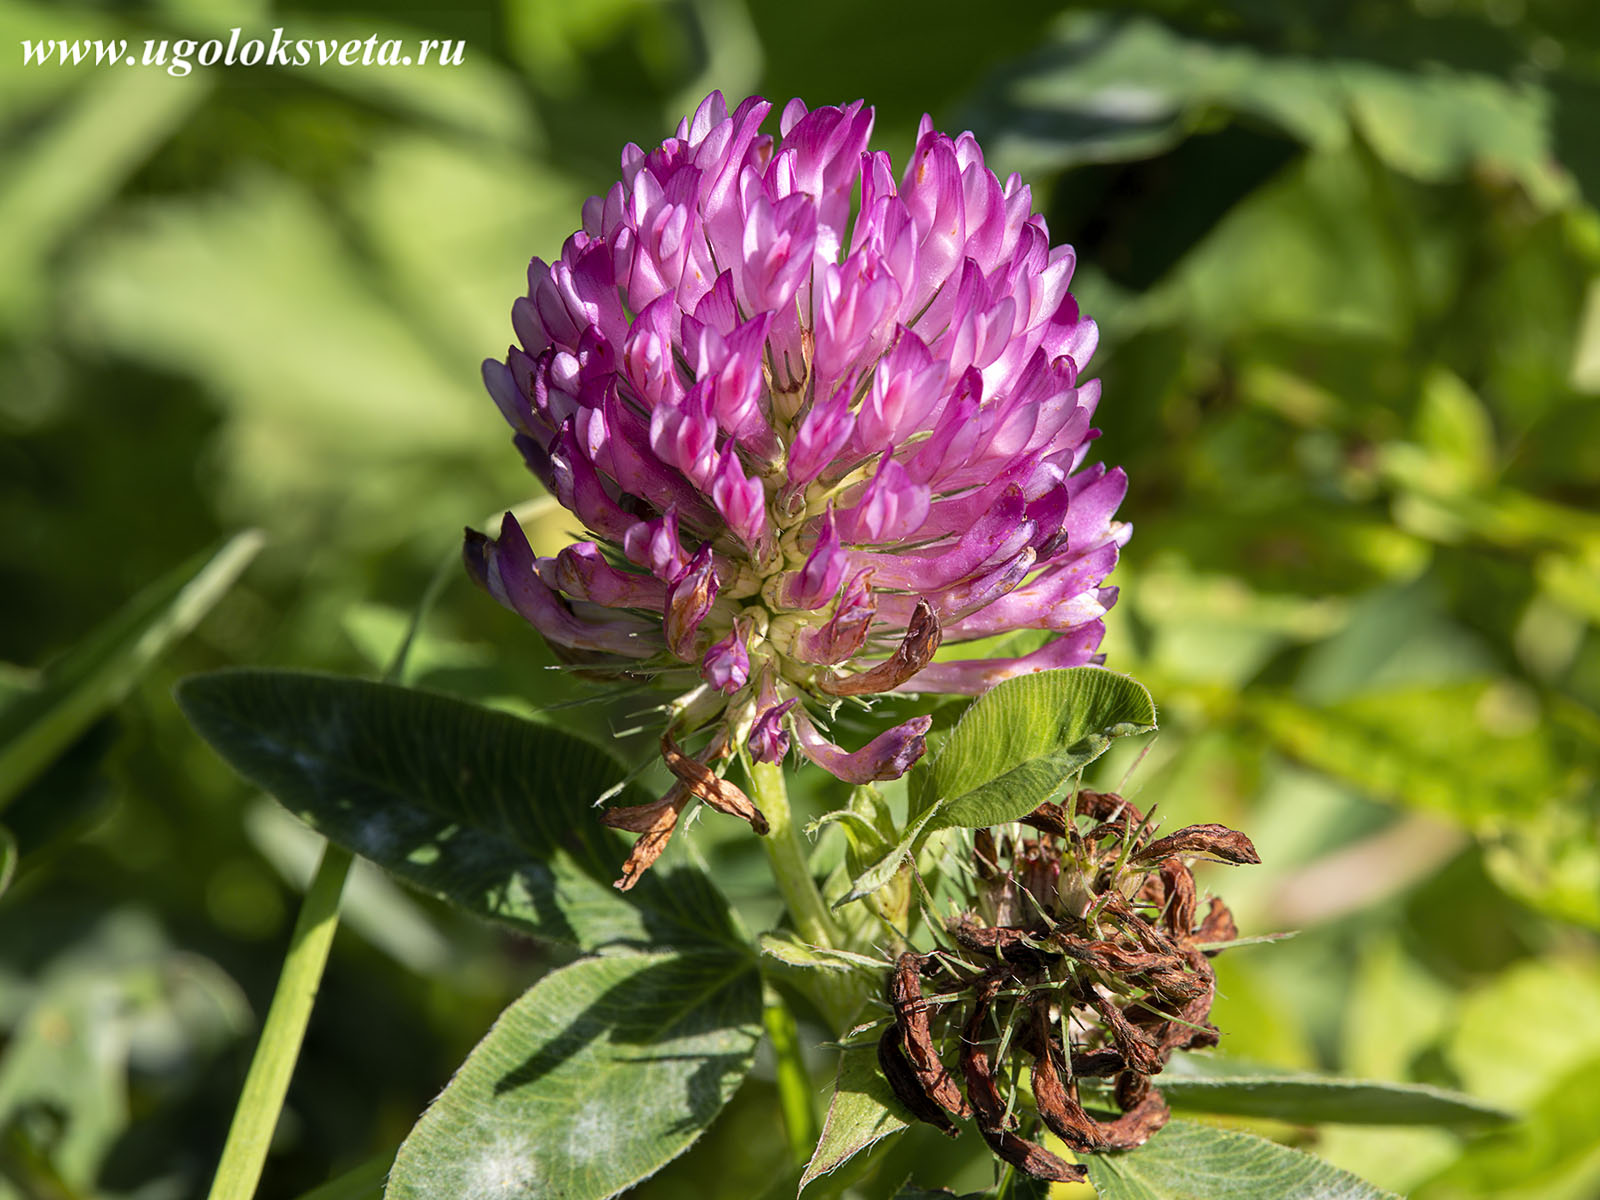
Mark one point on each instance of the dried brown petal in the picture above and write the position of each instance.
(985, 856)
(1129, 960)
(907, 1086)
(915, 651)
(1138, 1125)
(1131, 1090)
(702, 782)
(1196, 1033)
(1048, 818)
(1057, 1104)
(990, 1107)
(1106, 806)
(1218, 925)
(916, 1036)
(1209, 841)
(975, 1065)
(1141, 1054)
(655, 822)
(1147, 935)
(1032, 1157)
(1178, 909)
(641, 818)
(1098, 1064)
(1006, 944)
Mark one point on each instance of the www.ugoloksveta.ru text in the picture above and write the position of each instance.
(179, 56)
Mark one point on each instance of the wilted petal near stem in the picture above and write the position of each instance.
(508, 570)
(688, 601)
(972, 677)
(914, 653)
(887, 756)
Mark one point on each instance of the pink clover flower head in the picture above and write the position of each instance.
(817, 418)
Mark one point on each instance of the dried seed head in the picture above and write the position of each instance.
(1108, 988)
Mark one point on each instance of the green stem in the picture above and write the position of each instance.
(245, 1152)
(795, 1096)
(812, 920)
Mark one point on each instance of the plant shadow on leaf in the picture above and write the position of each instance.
(484, 810)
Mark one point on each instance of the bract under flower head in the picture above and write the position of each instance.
(817, 420)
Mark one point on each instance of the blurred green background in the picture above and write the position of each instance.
(1345, 256)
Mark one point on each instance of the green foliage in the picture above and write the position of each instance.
(39, 723)
(1023, 739)
(598, 1076)
(1200, 1162)
(863, 1111)
(1221, 1087)
(489, 811)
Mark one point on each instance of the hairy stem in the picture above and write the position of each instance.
(245, 1152)
(812, 920)
(796, 1096)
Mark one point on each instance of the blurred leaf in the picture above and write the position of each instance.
(1518, 1034)
(118, 997)
(1552, 863)
(485, 210)
(1585, 372)
(70, 1054)
(1221, 1086)
(364, 1182)
(484, 810)
(1471, 751)
(1215, 628)
(68, 796)
(1454, 425)
(39, 725)
(599, 1075)
(1101, 89)
(8, 858)
(1025, 737)
(1264, 269)
(201, 287)
(48, 187)
(1199, 1162)
(1552, 1155)
(863, 1111)
(477, 97)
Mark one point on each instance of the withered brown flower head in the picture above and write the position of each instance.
(1082, 957)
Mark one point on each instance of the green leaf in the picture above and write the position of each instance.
(598, 1076)
(482, 809)
(1199, 1162)
(883, 870)
(38, 725)
(1024, 738)
(1473, 751)
(863, 1111)
(1554, 1154)
(794, 953)
(1222, 1087)
(1105, 90)
(8, 858)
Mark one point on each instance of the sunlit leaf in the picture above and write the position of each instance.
(863, 1111)
(1199, 1162)
(1218, 1086)
(599, 1075)
(1025, 737)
